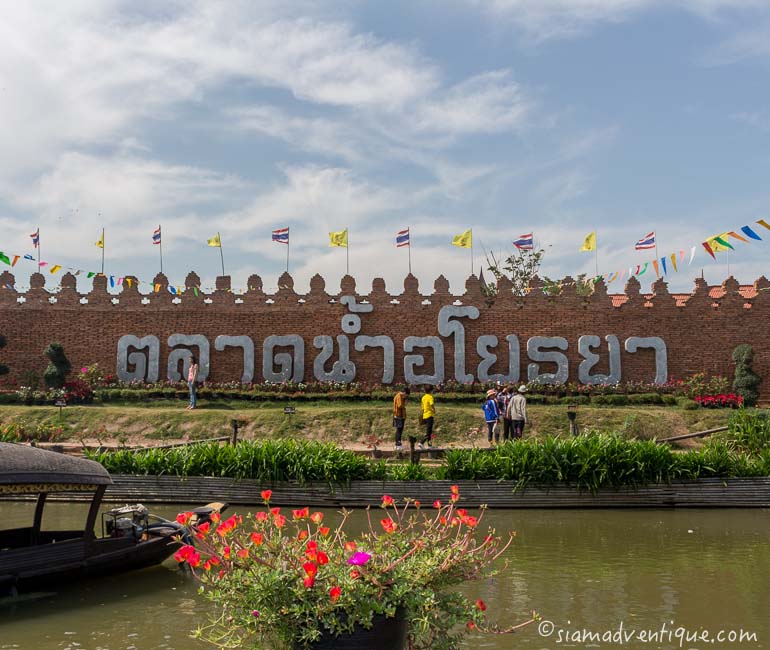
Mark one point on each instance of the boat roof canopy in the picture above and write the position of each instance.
(28, 469)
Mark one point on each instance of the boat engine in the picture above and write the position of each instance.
(127, 521)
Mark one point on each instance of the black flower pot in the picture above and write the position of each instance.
(385, 634)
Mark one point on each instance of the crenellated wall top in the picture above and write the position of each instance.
(730, 295)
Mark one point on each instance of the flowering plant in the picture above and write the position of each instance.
(730, 400)
(283, 580)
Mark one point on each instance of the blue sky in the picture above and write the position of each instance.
(507, 116)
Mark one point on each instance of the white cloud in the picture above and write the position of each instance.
(546, 19)
(488, 103)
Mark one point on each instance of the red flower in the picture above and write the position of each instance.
(322, 558)
(387, 501)
(204, 527)
(481, 605)
(279, 521)
(302, 513)
(261, 516)
(416, 503)
(226, 526)
(184, 553)
(470, 625)
(437, 504)
(455, 490)
(266, 494)
(243, 553)
(302, 535)
(335, 593)
(324, 530)
(311, 569)
(184, 517)
(350, 547)
(275, 511)
(308, 582)
(317, 517)
(388, 525)
(257, 538)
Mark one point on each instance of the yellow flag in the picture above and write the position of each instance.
(55, 268)
(339, 238)
(589, 243)
(463, 240)
(719, 243)
(100, 243)
(215, 241)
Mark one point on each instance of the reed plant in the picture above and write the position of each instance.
(748, 430)
(268, 461)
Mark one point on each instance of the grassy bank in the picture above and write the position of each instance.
(587, 462)
(343, 423)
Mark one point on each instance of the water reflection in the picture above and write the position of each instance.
(701, 569)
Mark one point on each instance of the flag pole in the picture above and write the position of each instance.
(347, 251)
(288, 243)
(160, 248)
(596, 255)
(471, 251)
(38, 249)
(409, 250)
(102, 251)
(221, 254)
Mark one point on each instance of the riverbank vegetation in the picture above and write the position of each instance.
(589, 461)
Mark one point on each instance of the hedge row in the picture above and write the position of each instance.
(118, 395)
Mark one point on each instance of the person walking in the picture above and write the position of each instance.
(517, 411)
(428, 415)
(192, 377)
(399, 414)
(492, 417)
(503, 397)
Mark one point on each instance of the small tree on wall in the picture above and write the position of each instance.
(56, 373)
(3, 368)
(746, 383)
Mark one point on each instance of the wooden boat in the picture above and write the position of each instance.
(32, 558)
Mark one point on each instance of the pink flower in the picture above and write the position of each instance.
(359, 558)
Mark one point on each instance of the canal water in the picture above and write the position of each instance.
(638, 579)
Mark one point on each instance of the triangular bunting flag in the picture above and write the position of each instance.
(673, 260)
(655, 266)
(708, 249)
(663, 265)
(692, 254)
(735, 235)
(748, 231)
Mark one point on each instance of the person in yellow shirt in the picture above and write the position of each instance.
(427, 416)
(399, 414)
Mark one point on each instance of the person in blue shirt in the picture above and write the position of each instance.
(492, 416)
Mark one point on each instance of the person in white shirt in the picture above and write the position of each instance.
(516, 411)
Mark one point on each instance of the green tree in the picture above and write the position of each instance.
(59, 367)
(519, 267)
(746, 382)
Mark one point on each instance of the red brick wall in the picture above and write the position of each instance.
(700, 335)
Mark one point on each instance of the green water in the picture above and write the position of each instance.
(586, 572)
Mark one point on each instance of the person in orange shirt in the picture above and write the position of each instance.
(399, 414)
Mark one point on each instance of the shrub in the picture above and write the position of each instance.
(59, 367)
(746, 382)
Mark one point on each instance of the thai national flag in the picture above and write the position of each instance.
(281, 235)
(156, 236)
(524, 242)
(402, 238)
(36, 238)
(646, 242)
